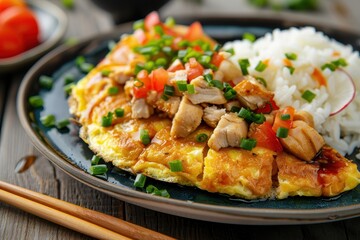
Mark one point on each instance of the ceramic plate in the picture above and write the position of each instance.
(71, 154)
(52, 22)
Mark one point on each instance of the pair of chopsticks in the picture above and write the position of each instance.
(83, 220)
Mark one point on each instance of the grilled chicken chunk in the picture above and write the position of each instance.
(170, 106)
(304, 116)
(303, 141)
(140, 109)
(230, 71)
(252, 94)
(205, 93)
(229, 132)
(212, 115)
(187, 118)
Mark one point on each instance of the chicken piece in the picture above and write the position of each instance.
(252, 94)
(128, 88)
(121, 74)
(169, 106)
(212, 115)
(304, 116)
(179, 75)
(205, 93)
(229, 132)
(140, 109)
(303, 141)
(187, 118)
(229, 105)
(230, 71)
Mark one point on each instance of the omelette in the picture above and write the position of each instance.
(166, 102)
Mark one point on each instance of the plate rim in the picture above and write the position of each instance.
(227, 214)
(24, 58)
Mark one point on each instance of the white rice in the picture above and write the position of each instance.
(313, 49)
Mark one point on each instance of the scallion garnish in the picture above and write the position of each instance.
(291, 56)
(216, 83)
(169, 90)
(244, 113)
(202, 137)
(95, 160)
(62, 123)
(340, 62)
(230, 94)
(164, 97)
(36, 101)
(105, 72)
(154, 190)
(262, 81)
(291, 69)
(250, 116)
(330, 66)
(247, 143)
(139, 24)
(230, 50)
(161, 62)
(48, 120)
(119, 112)
(258, 118)
(261, 66)
(235, 109)
(69, 78)
(98, 169)
(113, 90)
(170, 22)
(68, 88)
(249, 36)
(208, 77)
(308, 96)
(46, 82)
(282, 132)
(138, 68)
(285, 116)
(190, 88)
(80, 60)
(159, 30)
(106, 121)
(144, 136)
(217, 47)
(181, 85)
(244, 64)
(140, 180)
(205, 60)
(176, 166)
(86, 67)
(149, 66)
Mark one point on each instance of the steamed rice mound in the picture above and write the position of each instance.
(313, 50)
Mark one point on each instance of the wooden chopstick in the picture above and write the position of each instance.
(86, 221)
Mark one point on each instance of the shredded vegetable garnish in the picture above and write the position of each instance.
(144, 136)
(282, 132)
(308, 96)
(46, 82)
(62, 123)
(176, 166)
(244, 64)
(248, 143)
(261, 66)
(140, 180)
(48, 120)
(95, 160)
(119, 112)
(113, 90)
(106, 121)
(98, 169)
(36, 101)
(291, 56)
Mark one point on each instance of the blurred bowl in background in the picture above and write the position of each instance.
(124, 11)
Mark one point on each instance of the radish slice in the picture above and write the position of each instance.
(342, 91)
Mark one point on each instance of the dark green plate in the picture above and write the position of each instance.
(66, 150)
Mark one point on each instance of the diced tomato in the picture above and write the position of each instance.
(159, 78)
(11, 43)
(175, 66)
(265, 137)
(278, 122)
(216, 59)
(268, 107)
(140, 36)
(194, 69)
(142, 84)
(194, 32)
(151, 20)
(23, 21)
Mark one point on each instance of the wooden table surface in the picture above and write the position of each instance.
(86, 20)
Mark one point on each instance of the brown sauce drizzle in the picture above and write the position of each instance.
(330, 162)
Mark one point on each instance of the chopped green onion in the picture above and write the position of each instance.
(62, 123)
(161, 62)
(48, 120)
(183, 43)
(250, 116)
(170, 22)
(36, 101)
(291, 69)
(79, 60)
(95, 160)
(105, 72)
(149, 66)
(182, 85)
(46, 82)
(245, 113)
(140, 180)
(249, 36)
(235, 109)
(217, 47)
(98, 169)
(148, 50)
(69, 4)
(209, 53)
(231, 51)
(262, 81)
(139, 24)
(282, 132)
(208, 77)
(182, 53)
(247, 143)
(153, 190)
(190, 88)
(218, 84)
(113, 90)
(86, 67)
(138, 68)
(158, 29)
(330, 66)
(167, 50)
(202, 137)
(308, 96)
(163, 193)
(69, 78)
(164, 97)
(169, 90)
(291, 56)
(176, 166)
(285, 116)
(230, 94)
(244, 64)
(205, 60)
(258, 118)
(68, 88)
(340, 62)
(119, 112)
(260, 67)
(144, 136)
(106, 121)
